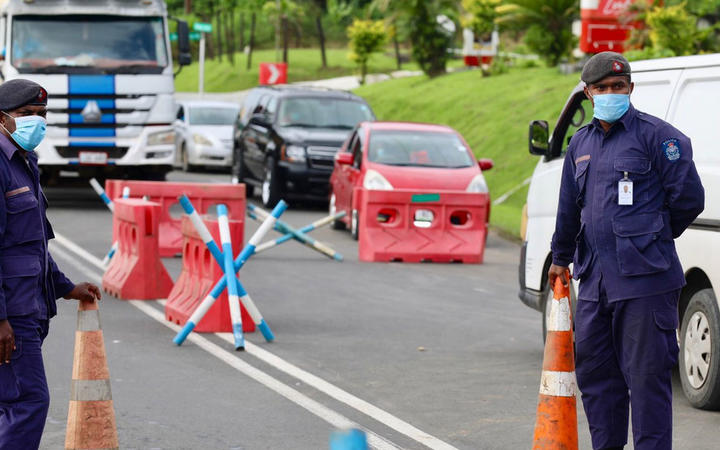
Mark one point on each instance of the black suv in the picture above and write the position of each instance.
(286, 138)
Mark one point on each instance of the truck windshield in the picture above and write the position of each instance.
(322, 113)
(418, 148)
(213, 116)
(88, 44)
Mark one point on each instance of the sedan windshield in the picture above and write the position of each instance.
(88, 44)
(322, 113)
(418, 148)
(213, 116)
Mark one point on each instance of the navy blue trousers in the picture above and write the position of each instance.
(24, 396)
(626, 351)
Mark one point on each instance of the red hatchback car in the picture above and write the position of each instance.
(402, 155)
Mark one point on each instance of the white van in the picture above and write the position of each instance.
(684, 91)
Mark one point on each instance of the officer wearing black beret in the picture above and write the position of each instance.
(30, 279)
(629, 188)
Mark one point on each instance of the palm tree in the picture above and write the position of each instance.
(547, 23)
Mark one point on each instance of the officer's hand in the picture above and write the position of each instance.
(85, 292)
(7, 341)
(557, 271)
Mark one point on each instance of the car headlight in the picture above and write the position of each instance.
(375, 182)
(199, 139)
(295, 153)
(478, 185)
(161, 138)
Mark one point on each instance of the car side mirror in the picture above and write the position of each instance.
(259, 119)
(486, 164)
(539, 137)
(183, 33)
(344, 158)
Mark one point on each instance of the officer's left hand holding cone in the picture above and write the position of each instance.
(556, 425)
(91, 416)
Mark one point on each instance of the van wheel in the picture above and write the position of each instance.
(355, 224)
(700, 351)
(332, 210)
(270, 185)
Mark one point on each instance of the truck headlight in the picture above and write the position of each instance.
(161, 138)
(478, 185)
(199, 139)
(295, 153)
(375, 182)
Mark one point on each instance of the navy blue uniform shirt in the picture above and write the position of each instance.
(629, 247)
(31, 281)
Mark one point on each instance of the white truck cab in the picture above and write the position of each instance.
(684, 91)
(107, 67)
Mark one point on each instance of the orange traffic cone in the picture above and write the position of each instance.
(91, 417)
(556, 425)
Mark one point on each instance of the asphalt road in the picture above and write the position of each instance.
(420, 355)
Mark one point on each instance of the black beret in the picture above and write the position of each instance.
(605, 64)
(19, 92)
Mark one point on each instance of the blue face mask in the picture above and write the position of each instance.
(611, 107)
(29, 131)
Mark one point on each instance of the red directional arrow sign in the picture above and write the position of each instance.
(273, 73)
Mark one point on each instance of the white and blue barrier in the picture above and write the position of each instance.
(246, 253)
(233, 299)
(306, 229)
(113, 249)
(101, 192)
(257, 213)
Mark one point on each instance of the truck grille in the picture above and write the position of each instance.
(73, 151)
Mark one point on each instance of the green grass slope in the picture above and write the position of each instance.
(492, 114)
(304, 64)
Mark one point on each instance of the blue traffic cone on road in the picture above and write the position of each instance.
(352, 439)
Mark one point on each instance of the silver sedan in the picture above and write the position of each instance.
(204, 134)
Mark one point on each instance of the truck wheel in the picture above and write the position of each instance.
(332, 210)
(270, 185)
(355, 224)
(700, 351)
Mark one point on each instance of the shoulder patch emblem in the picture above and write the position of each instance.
(671, 148)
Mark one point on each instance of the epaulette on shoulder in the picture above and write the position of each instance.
(649, 118)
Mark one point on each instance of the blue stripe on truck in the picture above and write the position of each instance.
(89, 86)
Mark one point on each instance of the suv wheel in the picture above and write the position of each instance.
(700, 351)
(239, 171)
(332, 209)
(355, 224)
(270, 185)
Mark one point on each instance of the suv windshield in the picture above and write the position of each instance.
(88, 44)
(418, 148)
(213, 116)
(322, 113)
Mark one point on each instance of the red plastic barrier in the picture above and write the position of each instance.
(601, 28)
(199, 274)
(136, 272)
(412, 226)
(204, 197)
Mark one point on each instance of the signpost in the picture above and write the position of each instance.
(202, 28)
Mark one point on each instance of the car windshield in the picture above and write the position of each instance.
(213, 116)
(418, 148)
(88, 44)
(322, 113)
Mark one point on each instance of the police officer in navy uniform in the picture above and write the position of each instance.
(30, 279)
(629, 187)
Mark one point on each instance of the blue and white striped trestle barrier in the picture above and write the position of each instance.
(257, 213)
(101, 192)
(113, 249)
(246, 253)
(233, 299)
(306, 229)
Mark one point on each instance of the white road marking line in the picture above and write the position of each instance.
(321, 385)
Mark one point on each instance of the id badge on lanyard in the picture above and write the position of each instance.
(625, 191)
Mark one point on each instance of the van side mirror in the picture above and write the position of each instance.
(486, 164)
(539, 137)
(344, 158)
(183, 33)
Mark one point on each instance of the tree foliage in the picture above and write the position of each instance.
(672, 28)
(548, 25)
(366, 37)
(480, 15)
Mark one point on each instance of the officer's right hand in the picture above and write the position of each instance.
(557, 271)
(7, 341)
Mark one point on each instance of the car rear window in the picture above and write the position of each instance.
(418, 148)
(213, 116)
(322, 113)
